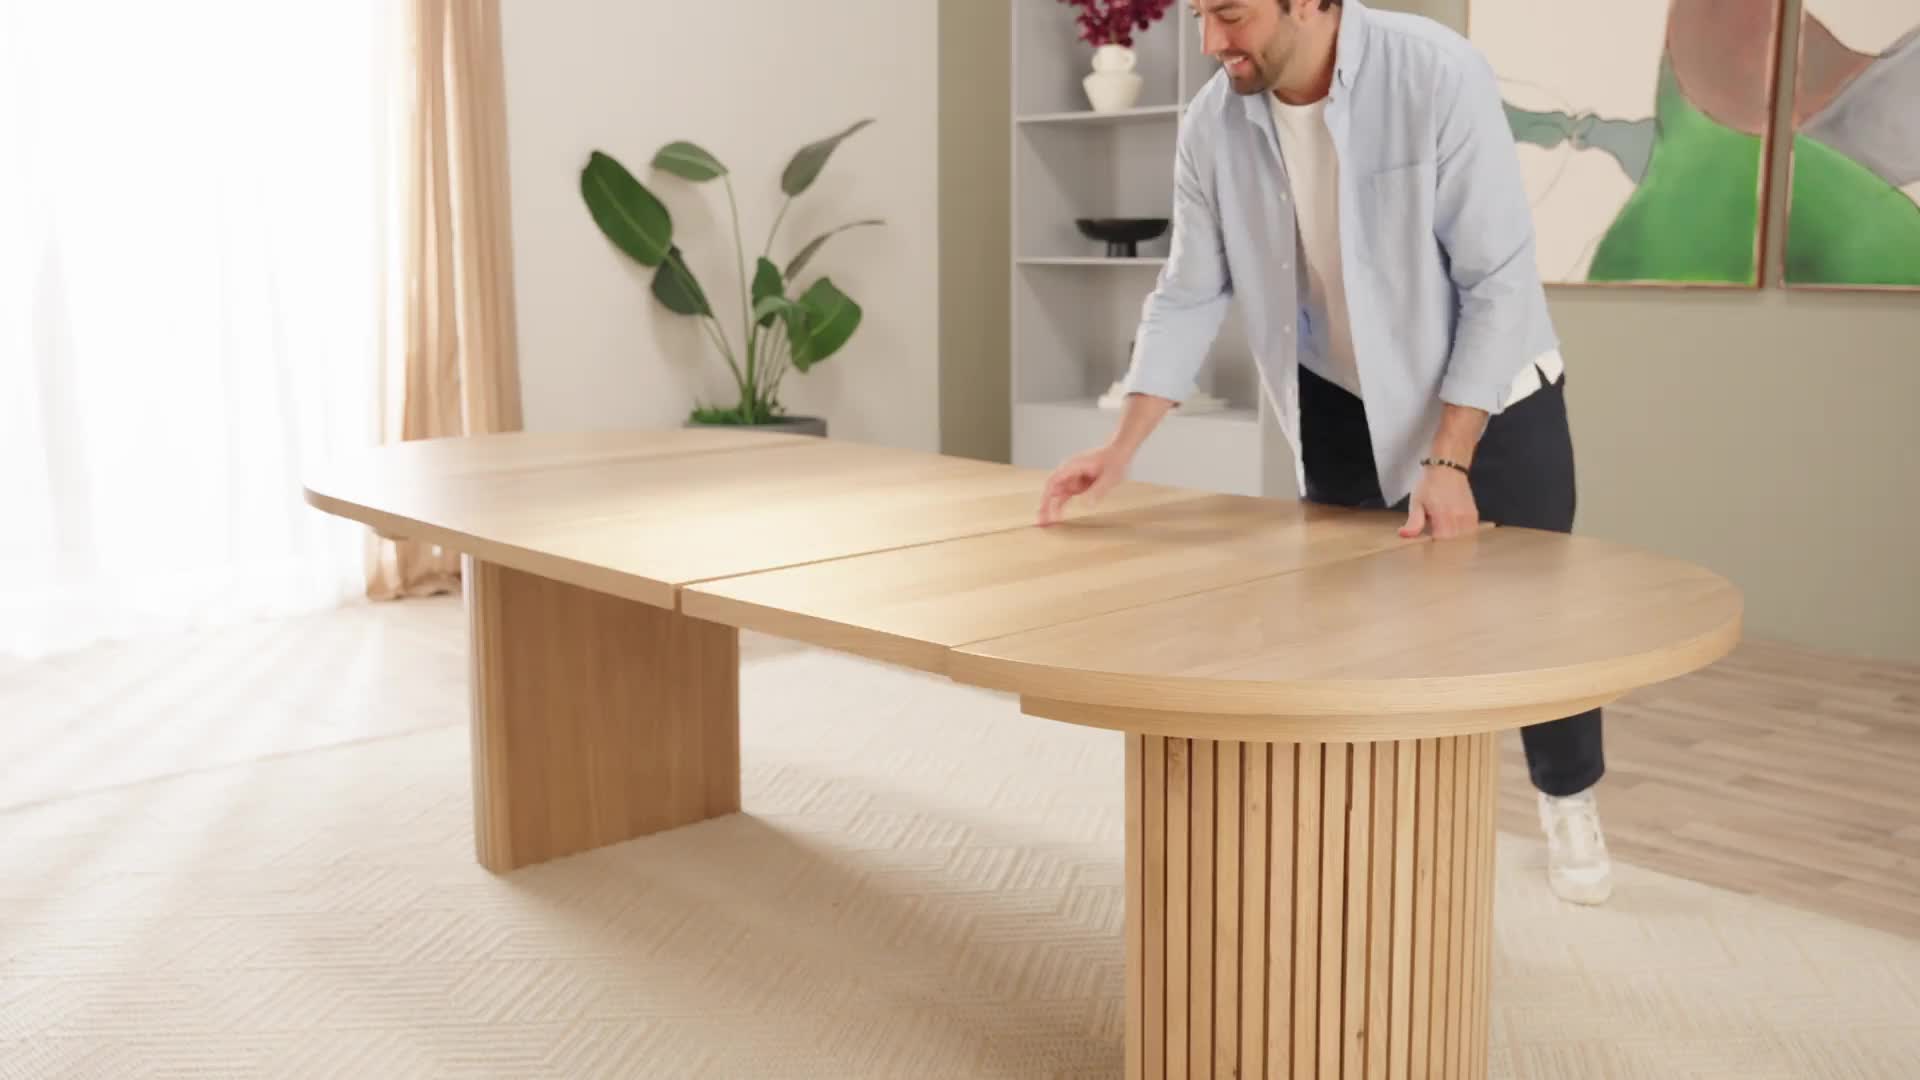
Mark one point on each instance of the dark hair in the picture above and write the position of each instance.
(1287, 5)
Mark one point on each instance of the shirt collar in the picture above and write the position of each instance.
(1350, 48)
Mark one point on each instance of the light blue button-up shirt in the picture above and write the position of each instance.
(1436, 237)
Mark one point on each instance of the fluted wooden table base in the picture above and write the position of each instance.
(1308, 910)
(595, 719)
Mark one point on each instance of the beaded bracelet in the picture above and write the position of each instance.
(1443, 461)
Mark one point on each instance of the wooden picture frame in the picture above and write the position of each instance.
(1851, 220)
(1647, 135)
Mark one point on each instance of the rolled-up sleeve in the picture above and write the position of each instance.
(1484, 221)
(1181, 316)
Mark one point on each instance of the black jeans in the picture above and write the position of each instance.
(1522, 475)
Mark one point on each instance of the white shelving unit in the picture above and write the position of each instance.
(1074, 309)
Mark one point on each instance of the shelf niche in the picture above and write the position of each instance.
(1050, 60)
(1074, 309)
(1072, 171)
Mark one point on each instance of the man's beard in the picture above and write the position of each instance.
(1257, 81)
(1248, 85)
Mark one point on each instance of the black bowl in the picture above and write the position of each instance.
(1121, 235)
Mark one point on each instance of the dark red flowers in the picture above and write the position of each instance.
(1113, 22)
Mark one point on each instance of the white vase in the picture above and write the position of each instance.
(1114, 85)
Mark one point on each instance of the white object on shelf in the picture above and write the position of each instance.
(1114, 85)
(1200, 402)
(1217, 452)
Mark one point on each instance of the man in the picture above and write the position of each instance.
(1350, 176)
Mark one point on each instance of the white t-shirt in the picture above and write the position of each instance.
(1313, 170)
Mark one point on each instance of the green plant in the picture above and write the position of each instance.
(781, 329)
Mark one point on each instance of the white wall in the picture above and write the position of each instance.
(751, 82)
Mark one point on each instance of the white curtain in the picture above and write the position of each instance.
(194, 219)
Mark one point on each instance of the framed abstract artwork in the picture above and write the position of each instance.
(1853, 202)
(1644, 128)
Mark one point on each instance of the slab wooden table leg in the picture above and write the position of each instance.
(595, 719)
(1308, 910)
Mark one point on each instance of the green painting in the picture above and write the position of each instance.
(1643, 129)
(1853, 209)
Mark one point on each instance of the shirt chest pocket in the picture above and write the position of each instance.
(1393, 213)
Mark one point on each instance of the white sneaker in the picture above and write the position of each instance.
(1578, 868)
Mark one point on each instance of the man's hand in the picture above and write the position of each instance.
(1092, 472)
(1442, 501)
(1089, 473)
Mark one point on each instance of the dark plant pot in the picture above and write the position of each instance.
(786, 425)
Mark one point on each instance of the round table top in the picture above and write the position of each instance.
(1500, 629)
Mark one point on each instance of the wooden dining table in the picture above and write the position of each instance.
(1308, 700)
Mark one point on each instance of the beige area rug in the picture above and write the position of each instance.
(925, 884)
